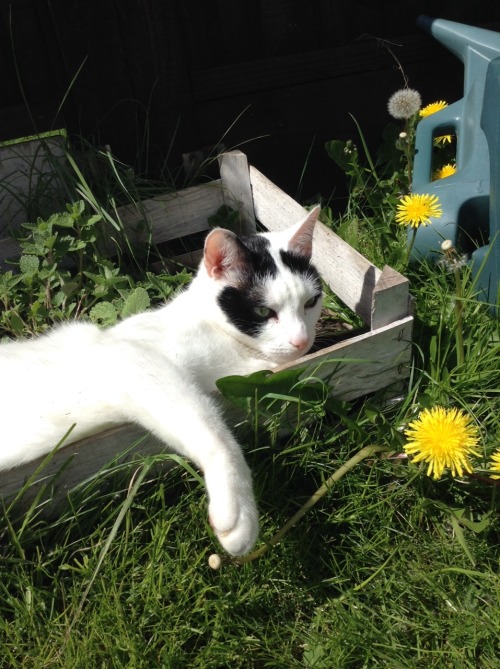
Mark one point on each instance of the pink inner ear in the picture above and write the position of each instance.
(301, 241)
(221, 253)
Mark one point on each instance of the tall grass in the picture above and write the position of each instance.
(389, 569)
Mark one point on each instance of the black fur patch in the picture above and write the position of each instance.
(238, 302)
(260, 261)
(301, 265)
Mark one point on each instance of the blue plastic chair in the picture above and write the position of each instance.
(470, 197)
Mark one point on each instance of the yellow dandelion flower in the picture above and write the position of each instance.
(443, 172)
(418, 209)
(495, 465)
(442, 140)
(443, 439)
(433, 108)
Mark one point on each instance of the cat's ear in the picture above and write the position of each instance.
(224, 254)
(302, 234)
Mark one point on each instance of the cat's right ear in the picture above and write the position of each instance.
(224, 255)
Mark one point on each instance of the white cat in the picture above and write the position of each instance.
(252, 305)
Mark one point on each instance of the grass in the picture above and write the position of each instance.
(389, 569)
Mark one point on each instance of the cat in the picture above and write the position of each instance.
(253, 304)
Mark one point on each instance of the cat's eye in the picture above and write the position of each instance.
(312, 302)
(263, 312)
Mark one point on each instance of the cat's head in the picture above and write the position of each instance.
(266, 287)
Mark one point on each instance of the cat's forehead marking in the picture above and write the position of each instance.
(261, 260)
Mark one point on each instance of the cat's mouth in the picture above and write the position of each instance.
(282, 357)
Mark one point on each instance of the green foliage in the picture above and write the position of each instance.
(64, 272)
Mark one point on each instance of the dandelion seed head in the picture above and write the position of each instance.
(404, 104)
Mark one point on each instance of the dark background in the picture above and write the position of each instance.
(156, 79)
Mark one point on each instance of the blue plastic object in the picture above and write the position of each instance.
(470, 197)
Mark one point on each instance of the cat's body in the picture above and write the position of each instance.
(253, 305)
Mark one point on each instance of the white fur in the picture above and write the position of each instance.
(156, 369)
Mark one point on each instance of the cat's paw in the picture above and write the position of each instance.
(235, 522)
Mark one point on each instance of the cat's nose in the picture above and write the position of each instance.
(299, 342)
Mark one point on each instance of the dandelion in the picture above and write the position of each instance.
(418, 209)
(433, 108)
(443, 439)
(452, 260)
(444, 172)
(495, 465)
(404, 104)
(442, 140)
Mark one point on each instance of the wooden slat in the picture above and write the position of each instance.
(237, 188)
(77, 462)
(372, 361)
(173, 215)
(391, 298)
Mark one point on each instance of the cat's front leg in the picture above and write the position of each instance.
(190, 423)
(232, 510)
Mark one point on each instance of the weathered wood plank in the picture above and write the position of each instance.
(172, 215)
(363, 364)
(77, 462)
(391, 298)
(237, 188)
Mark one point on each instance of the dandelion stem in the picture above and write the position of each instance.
(336, 476)
(459, 306)
(410, 247)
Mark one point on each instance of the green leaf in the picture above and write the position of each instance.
(62, 220)
(14, 322)
(137, 301)
(285, 385)
(29, 265)
(104, 314)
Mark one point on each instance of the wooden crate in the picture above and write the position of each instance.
(353, 368)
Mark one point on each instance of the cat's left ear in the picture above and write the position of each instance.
(302, 234)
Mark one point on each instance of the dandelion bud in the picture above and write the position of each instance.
(215, 561)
